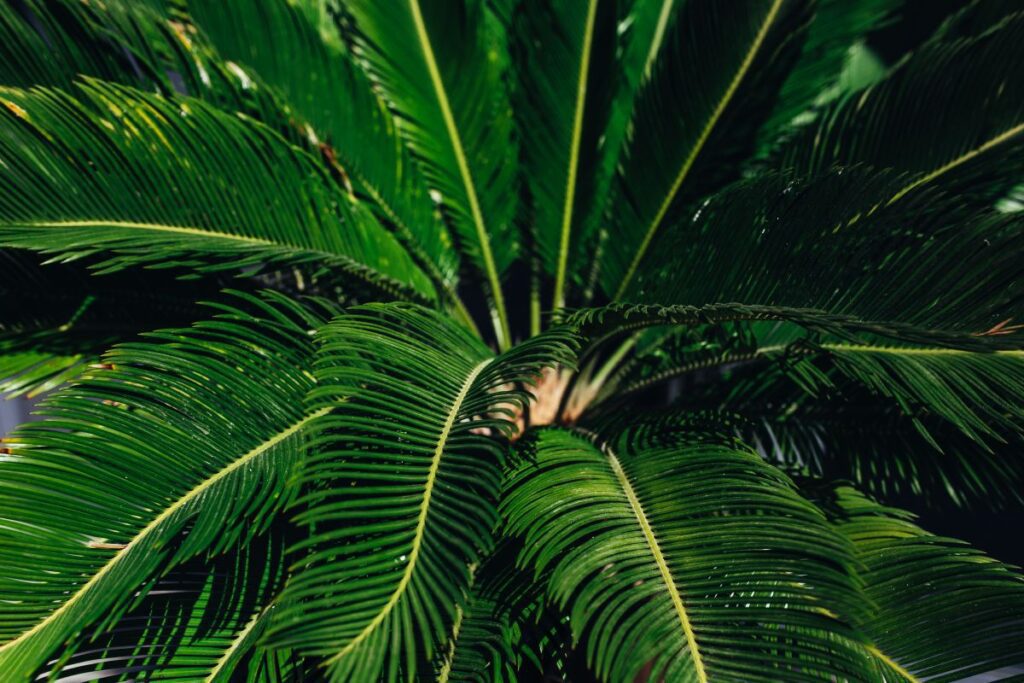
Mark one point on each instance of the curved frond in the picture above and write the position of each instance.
(702, 560)
(57, 42)
(302, 56)
(56, 319)
(200, 622)
(493, 639)
(981, 394)
(685, 141)
(441, 66)
(833, 243)
(414, 405)
(132, 179)
(209, 421)
(941, 610)
(973, 148)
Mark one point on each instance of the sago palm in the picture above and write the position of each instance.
(394, 340)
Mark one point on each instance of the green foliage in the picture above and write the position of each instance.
(898, 561)
(725, 273)
(649, 575)
(274, 206)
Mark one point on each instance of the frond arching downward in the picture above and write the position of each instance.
(940, 610)
(418, 412)
(131, 179)
(651, 571)
(211, 424)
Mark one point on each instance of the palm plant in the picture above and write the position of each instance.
(511, 340)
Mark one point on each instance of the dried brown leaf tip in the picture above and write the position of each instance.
(1001, 329)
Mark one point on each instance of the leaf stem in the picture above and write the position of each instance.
(501, 326)
(574, 158)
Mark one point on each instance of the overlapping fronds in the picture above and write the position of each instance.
(981, 394)
(200, 622)
(130, 179)
(301, 55)
(940, 423)
(55, 319)
(416, 408)
(972, 149)
(56, 42)
(700, 559)
(198, 430)
(495, 637)
(837, 27)
(834, 243)
(880, 449)
(441, 67)
(918, 585)
(686, 141)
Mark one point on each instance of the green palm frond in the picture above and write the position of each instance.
(893, 124)
(411, 399)
(210, 421)
(836, 242)
(979, 393)
(56, 320)
(492, 640)
(732, 54)
(135, 180)
(441, 66)
(937, 422)
(564, 45)
(914, 621)
(301, 55)
(57, 42)
(882, 451)
(200, 622)
(836, 29)
(649, 573)
(618, 318)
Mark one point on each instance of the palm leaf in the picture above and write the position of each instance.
(834, 242)
(137, 180)
(649, 573)
(200, 622)
(558, 48)
(300, 54)
(918, 585)
(55, 43)
(411, 396)
(732, 56)
(642, 25)
(916, 422)
(440, 65)
(617, 318)
(835, 30)
(56, 319)
(879, 449)
(893, 123)
(979, 393)
(491, 639)
(220, 406)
